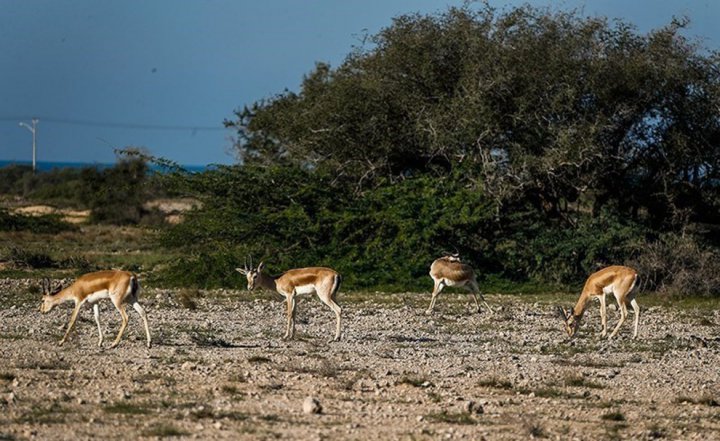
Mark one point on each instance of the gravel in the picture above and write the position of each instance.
(222, 371)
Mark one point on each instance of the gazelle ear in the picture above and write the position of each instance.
(47, 287)
(242, 271)
(261, 267)
(561, 312)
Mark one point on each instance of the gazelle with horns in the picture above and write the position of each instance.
(618, 280)
(121, 287)
(450, 271)
(325, 282)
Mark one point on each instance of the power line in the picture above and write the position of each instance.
(113, 125)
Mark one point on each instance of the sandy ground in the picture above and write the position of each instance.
(219, 370)
(66, 214)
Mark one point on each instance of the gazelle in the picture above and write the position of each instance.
(121, 287)
(325, 282)
(450, 271)
(619, 280)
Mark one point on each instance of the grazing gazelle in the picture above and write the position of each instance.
(325, 282)
(450, 271)
(619, 280)
(121, 287)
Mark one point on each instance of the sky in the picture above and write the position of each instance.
(164, 74)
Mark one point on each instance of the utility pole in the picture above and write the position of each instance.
(33, 130)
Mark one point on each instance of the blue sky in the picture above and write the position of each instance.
(163, 74)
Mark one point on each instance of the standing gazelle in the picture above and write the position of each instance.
(449, 271)
(121, 287)
(619, 280)
(325, 282)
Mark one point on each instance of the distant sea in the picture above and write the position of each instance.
(46, 165)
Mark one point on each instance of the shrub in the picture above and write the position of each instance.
(51, 224)
(680, 266)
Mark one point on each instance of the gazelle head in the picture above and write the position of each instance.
(451, 257)
(571, 322)
(251, 273)
(48, 301)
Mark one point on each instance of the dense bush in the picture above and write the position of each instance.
(382, 238)
(679, 264)
(115, 195)
(51, 224)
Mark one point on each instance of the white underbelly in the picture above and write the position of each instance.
(305, 289)
(97, 296)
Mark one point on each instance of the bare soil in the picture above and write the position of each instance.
(66, 214)
(219, 370)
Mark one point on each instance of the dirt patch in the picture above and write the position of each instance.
(67, 215)
(173, 209)
(220, 371)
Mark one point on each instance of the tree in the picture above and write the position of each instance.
(549, 107)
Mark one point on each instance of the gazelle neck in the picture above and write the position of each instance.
(267, 282)
(66, 295)
(581, 305)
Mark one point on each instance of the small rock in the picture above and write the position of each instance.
(217, 425)
(472, 407)
(10, 398)
(187, 366)
(312, 406)
(420, 418)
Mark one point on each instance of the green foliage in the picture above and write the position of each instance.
(384, 238)
(115, 195)
(544, 106)
(554, 252)
(293, 217)
(37, 224)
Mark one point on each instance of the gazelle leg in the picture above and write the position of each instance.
(603, 315)
(290, 310)
(439, 285)
(293, 314)
(476, 289)
(143, 316)
(336, 309)
(96, 312)
(623, 314)
(124, 316)
(636, 309)
(73, 317)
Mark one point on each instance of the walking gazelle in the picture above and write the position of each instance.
(450, 271)
(618, 280)
(121, 287)
(325, 282)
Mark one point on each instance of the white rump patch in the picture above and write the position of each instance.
(98, 295)
(450, 282)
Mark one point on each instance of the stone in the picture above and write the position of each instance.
(312, 406)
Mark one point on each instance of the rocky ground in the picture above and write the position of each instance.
(219, 370)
